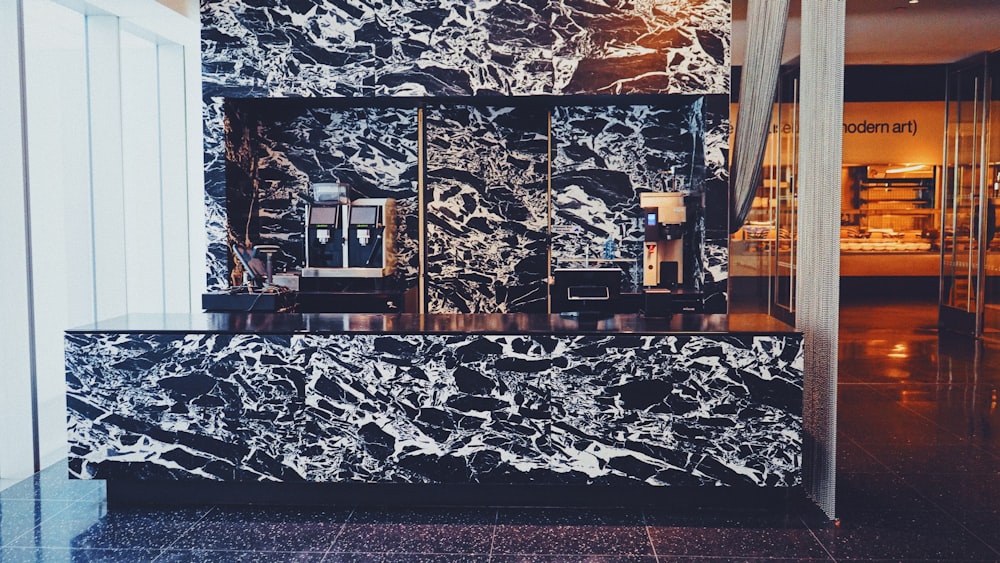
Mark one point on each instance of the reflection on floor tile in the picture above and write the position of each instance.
(918, 479)
(52, 555)
(903, 536)
(239, 536)
(405, 558)
(415, 538)
(618, 533)
(589, 558)
(21, 517)
(205, 556)
(738, 538)
(52, 483)
(984, 525)
(584, 540)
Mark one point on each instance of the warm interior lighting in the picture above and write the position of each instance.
(910, 168)
(914, 1)
(899, 352)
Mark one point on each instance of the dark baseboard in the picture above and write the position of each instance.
(195, 493)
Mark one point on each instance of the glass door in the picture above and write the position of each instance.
(783, 297)
(968, 220)
(990, 178)
(763, 251)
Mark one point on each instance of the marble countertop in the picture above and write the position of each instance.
(404, 323)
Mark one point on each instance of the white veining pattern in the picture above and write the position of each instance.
(669, 410)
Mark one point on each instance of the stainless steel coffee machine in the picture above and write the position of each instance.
(348, 239)
(663, 250)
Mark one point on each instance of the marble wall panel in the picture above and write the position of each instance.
(417, 48)
(661, 46)
(717, 204)
(426, 409)
(288, 48)
(324, 48)
(679, 410)
(216, 215)
(242, 139)
(276, 151)
(182, 406)
(604, 157)
(486, 209)
(671, 410)
(467, 47)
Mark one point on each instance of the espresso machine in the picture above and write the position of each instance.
(324, 227)
(348, 239)
(663, 249)
(371, 232)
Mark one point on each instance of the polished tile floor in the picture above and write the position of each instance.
(918, 480)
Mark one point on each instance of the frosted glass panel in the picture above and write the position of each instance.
(173, 172)
(17, 437)
(141, 168)
(59, 194)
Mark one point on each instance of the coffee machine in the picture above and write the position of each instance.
(371, 232)
(663, 250)
(348, 239)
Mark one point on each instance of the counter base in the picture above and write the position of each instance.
(122, 494)
(401, 414)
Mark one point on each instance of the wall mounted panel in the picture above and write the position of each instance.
(216, 217)
(464, 49)
(421, 48)
(642, 47)
(716, 246)
(486, 209)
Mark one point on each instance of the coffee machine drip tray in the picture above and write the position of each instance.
(344, 272)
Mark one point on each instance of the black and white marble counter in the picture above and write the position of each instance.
(437, 399)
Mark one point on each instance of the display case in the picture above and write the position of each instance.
(890, 223)
(891, 208)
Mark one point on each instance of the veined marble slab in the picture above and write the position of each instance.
(604, 158)
(466, 47)
(486, 209)
(615, 409)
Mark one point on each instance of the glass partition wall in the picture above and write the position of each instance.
(783, 299)
(763, 250)
(970, 263)
(991, 173)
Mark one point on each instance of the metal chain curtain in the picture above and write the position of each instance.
(821, 109)
(766, 21)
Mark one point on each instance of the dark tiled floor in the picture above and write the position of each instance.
(918, 480)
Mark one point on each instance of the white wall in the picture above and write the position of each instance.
(16, 427)
(59, 200)
(98, 214)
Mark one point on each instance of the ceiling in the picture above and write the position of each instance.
(895, 32)
(188, 8)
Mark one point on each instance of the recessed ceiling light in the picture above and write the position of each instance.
(914, 1)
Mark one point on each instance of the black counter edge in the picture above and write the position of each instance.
(199, 493)
(444, 333)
